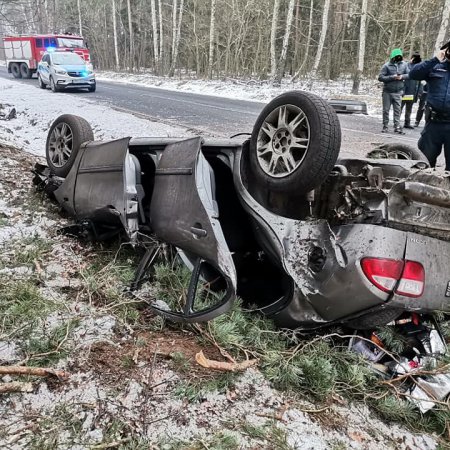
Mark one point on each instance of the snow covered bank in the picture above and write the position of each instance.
(253, 90)
(36, 110)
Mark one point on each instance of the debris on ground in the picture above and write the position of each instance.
(134, 380)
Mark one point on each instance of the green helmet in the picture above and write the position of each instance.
(396, 52)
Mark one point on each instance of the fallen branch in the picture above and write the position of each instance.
(223, 365)
(36, 371)
(15, 386)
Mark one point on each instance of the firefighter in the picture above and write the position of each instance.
(436, 134)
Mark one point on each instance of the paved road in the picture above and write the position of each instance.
(219, 116)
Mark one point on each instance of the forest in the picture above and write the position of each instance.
(250, 39)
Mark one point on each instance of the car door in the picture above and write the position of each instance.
(44, 67)
(184, 213)
(105, 189)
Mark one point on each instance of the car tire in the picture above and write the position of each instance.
(42, 85)
(302, 165)
(374, 319)
(25, 71)
(64, 140)
(92, 88)
(396, 151)
(53, 86)
(15, 70)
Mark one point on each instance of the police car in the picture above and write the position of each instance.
(63, 69)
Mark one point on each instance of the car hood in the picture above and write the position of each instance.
(72, 67)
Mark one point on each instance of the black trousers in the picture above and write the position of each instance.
(421, 108)
(434, 136)
(408, 104)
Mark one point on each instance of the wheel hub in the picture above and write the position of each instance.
(282, 141)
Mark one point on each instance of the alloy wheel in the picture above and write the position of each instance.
(60, 144)
(283, 141)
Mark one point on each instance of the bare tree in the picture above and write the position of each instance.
(361, 48)
(116, 47)
(211, 38)
(323, 34)
(177, 34)
(273, 37)
(444, 25)
(308, 42)
(284, 48)
(130, 30)
(155, 34)
(80, 25)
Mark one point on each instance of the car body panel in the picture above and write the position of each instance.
(321, 258)
(101, 186)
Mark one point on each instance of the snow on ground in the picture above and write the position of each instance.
(255, 90)
(36, 110)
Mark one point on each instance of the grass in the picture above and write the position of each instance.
(318, 368)
(25, 252)
(22, 306)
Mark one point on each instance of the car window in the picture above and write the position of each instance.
(70, 43)
(39, 43)
(46, 59)
(67, 58)
(46, 43)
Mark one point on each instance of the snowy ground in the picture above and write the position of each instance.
(124, 389)
(254, 90)
(36, 110)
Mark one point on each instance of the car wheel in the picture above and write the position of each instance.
(92, 88)
(295, 143)
(64, 140)
(396, 151)
(53, 86)
(25, 71)
(42, 85)
(15, 70)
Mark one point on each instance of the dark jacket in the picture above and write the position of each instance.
(387, 74)
(437, 76)
(412, 87)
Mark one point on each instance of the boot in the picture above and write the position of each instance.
(398, 130)
(385, 129)
(409, 126)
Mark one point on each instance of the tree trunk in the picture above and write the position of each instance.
(284, 48)
(161, 36)
(174, 27)
(308, 42)
(80, 27)
(116, 47)
(130, 32)
(273, 37)
(361, 48)
(211, 37)
(155, 34)
(323, 34)
(177, 39)
(444, 26)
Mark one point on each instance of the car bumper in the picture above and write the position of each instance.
(66, 81)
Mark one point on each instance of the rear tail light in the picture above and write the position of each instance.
(383, 273)
(408, 277)
(412, 281)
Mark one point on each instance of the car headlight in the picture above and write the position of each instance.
(61, 71)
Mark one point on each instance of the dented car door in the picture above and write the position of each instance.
(184, 213)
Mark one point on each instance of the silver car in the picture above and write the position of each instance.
(61, 70)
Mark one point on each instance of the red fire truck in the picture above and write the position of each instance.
(23, 53)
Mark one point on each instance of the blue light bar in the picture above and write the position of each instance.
(51, 49)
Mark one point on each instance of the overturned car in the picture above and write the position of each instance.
(280, 219)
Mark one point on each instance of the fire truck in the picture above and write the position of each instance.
(23, 53)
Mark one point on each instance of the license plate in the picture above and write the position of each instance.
(79, 82)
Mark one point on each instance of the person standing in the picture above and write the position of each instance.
(422, 102)
(436, 133)
(393, 75)
(411, 92)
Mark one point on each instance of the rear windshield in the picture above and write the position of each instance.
(70, 43)
(67, 58)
